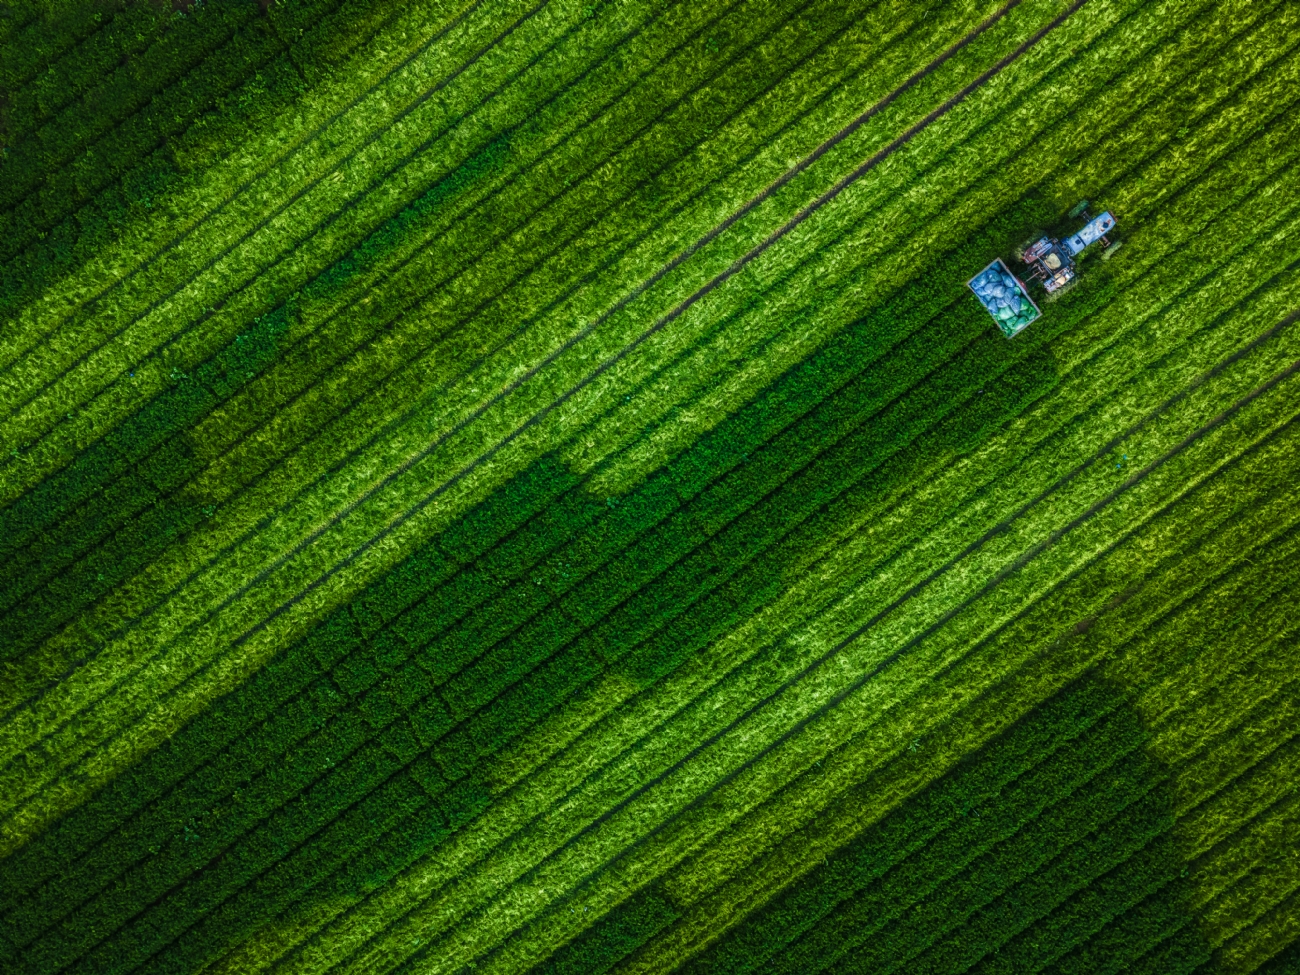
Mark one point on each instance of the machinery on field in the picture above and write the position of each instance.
(1051, 263)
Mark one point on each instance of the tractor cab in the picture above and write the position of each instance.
(1052, 261)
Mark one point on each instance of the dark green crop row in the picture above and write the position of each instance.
(1150, 934)
(84, 206)
(613, 937)
(123, 34)
(42, 33)
(983, 800)
(116, 98)
(1146, 899)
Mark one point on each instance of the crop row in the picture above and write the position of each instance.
(126, 94)
(226, 419)
(856, 920)
(33, 36)
(1163, 903)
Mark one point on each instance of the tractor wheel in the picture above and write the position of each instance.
(1078, 208)
(1106, 254)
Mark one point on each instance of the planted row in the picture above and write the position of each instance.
(692, 737)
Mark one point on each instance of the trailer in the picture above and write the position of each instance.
(1005, 297)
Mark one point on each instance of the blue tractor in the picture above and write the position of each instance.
(1050, 261)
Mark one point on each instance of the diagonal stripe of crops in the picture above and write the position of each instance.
(524, 487)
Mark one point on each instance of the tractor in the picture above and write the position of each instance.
(1050, 262)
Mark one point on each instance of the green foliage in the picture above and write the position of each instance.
(362, 746)
(611, 939)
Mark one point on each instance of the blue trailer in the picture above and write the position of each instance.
(1005, 297)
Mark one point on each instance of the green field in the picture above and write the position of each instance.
(524, 486)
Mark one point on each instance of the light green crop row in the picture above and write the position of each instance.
(1245, 878)
(1270, 934)
(333, 120)
(287, 243)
